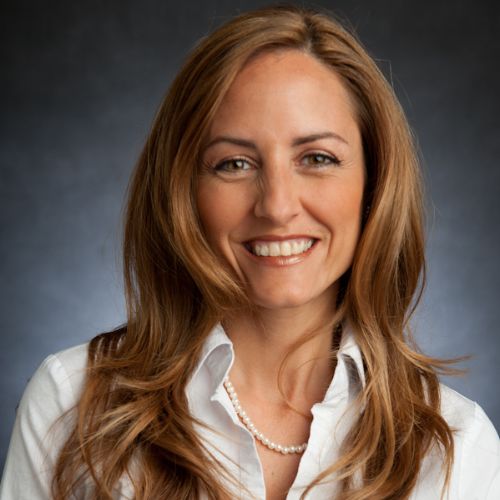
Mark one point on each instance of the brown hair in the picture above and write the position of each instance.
(132, 417)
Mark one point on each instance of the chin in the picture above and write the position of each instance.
(280, 301)
(290, 297)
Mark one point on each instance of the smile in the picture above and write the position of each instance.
(282, 248)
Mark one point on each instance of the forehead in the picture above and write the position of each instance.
(286, 87)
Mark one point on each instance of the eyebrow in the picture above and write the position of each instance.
(298, 141)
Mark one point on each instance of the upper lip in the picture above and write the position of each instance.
(275, 237)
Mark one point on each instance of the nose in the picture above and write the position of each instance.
(278, 197)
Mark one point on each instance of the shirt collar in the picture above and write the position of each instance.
(349, 350)
(217, 356)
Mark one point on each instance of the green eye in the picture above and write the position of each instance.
(320, 159)
(233, 165)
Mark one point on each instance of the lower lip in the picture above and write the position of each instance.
(282, 260)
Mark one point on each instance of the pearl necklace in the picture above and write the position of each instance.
(285, 450)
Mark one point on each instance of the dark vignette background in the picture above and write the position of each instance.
(81, 81)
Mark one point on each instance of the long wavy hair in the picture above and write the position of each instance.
(132, 418)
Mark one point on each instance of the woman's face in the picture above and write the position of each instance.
(281, 187)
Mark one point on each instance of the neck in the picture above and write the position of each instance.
(264, 337)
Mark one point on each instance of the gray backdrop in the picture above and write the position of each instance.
(80, 83)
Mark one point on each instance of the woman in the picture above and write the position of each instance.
(273, 254)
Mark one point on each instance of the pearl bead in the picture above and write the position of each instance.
(285, 450)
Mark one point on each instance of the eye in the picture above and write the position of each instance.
(320, 160)
(233, 165)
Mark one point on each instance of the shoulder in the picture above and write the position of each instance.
(58, 380)
(467, 419)
(476, 469)
(43, 422)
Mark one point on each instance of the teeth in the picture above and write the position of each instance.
(274, 249)
(281, 248)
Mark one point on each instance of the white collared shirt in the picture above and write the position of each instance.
(56, 385)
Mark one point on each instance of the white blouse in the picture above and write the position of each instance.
(56, 385)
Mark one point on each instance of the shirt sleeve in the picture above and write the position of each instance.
(42, 425)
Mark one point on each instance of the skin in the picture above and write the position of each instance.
(283, 182)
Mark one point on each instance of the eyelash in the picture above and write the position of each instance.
(331, 159)
(327, 160)
(219, 166)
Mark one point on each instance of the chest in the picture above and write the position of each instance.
(263, 473)
(279, 471)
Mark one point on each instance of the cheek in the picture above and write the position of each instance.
(352, 211)
(352, 208)
(208, 211)
(220, 210)
(342, 204)
(341, 212)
